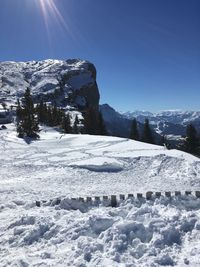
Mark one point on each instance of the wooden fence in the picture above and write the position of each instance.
(114, 200)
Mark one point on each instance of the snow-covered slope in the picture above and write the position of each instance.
(138, 233)
(62, 81)
(104, 165)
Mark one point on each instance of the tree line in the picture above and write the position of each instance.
(146, 136)
(28, 118)
(190, 144)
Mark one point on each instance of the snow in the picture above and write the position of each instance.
(42, 77)
(105, 165)
(176, 116)
(138, 232)
(99, 164)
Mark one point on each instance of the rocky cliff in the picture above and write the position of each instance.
(66, 82)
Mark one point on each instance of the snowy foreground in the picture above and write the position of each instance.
(158, 232)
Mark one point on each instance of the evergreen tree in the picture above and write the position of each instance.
(102, 127)
(27, 122)
(18, 111)
(52, 116)
(134, 131)
(91, 121)
(75, 128)
(191, 143)
(60, 117)
(41, 112)
(164, 142)
(19, 117)
(66, 124)
(147, 134)
(49, 116)
(55, 114)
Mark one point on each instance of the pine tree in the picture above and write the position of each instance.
(75, 128)
(164, 142)
(41, 112)
(27, 122)
(191, 143)
(19, 117)
(134, 131)
(66, 124)
(102, 127)
(55, 119)
(49, 116)
(91, 121)
(60, 115)
(147, 134)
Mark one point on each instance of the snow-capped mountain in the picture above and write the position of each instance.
(118, 124)
(64, 81)
(172, 116)
(172, 122)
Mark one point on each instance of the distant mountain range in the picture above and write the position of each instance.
(170, 123)
(71, 84)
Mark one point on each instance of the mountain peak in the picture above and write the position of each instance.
(71, 80)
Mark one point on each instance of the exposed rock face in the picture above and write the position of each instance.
(71, 82)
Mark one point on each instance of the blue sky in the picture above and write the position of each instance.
(147, 52)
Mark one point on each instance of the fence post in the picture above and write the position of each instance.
(149, 195)
(97, 200)
(121, 197)
(158, 194)
(177, 193)
(89, 199)
(197, 194)
(113, 201)
(37, 203)
(139, 195)
(168, 194)
(105, 198)
(81, 199)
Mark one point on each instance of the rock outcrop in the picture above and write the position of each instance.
(66, 82)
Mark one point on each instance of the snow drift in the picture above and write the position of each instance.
(138, 233)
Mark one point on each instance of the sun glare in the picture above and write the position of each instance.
(51, 14)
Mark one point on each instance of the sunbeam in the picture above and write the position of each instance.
(51, 13)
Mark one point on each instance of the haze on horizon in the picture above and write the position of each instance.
(147, 53)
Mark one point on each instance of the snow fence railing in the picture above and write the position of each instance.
(114, 200)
